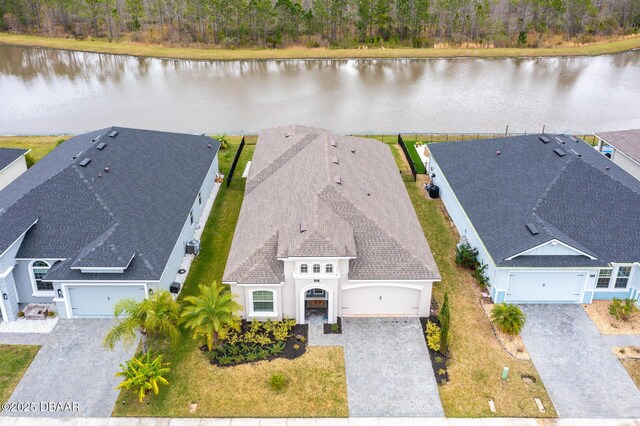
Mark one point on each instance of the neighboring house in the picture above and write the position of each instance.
(12, 165)
(554, 220)
(623, 147)
(327, 226)
(104, 216)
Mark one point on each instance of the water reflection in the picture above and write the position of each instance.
(60, 91)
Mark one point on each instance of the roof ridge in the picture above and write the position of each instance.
(276, 164)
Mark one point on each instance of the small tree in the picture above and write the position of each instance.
(480, 275)
(445, 317)
(209, 313)
(158, 315)
(224, 141)
(467, 256)
(508, 318)
(623, 309)
(143, 374)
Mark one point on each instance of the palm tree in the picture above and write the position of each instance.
(508, 318)
(210, 312)
(143, 374)
(158, 315)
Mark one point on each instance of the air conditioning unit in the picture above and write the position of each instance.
(193, 247)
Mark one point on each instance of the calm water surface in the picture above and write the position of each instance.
(51, 91)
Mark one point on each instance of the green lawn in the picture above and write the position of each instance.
(14, 361)
(150, 50)
(39, 145)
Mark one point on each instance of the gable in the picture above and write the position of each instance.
(552, 248)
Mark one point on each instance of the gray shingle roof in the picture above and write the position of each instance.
(369, 215)
(131, 214)
(9, 155)
(626, 141)
(582, 198)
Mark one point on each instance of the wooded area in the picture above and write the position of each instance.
(330, 23)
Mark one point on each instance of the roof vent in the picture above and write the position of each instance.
(560, 140)
(335, 160)
(84, 162)
(576, 152)
(77, 155)
(559, 152)
(101, 146)
(337, 180)
(287, 135)
(497, 152)
(113, 134)
(544, 139)
(353, 150)
(303, 226)
(333, 143)
(532, 228)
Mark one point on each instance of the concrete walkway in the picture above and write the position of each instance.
(352, 421)
(73, 369)
(388, 368)
(317, 336)
(581, 374)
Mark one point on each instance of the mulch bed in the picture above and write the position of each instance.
(327, 327)
(299, 336)
(438, 360)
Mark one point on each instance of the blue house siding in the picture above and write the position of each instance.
(609, 295)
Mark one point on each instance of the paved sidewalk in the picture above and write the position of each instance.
(581, 374)
(317, 336)
(352, 421)
(388, 368)
(621, 339)
(72, 367)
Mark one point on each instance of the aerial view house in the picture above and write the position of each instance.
(106, 215)
(554, 220)
(327, 228)
(12, 165)
(623, 147)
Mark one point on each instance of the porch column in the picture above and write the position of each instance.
(8, 287)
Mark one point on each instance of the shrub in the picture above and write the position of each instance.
(508, 318)
(623, 309)
(433, 336)
(296, 346)
(224, 141)
(21, 314)
(444, 317)
(301, 338)
(51, 314)
(467, 256)
(143, 374)
(480, 275)
(278, 382)
(335, 328)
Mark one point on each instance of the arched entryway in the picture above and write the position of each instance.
(316, 304)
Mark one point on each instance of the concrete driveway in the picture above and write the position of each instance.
(72, 375)
(581, 374)
(388, 369)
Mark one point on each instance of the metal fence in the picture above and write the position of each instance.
(408, 157)
(235, 162)
(450, 137)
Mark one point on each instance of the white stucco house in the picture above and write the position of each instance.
(12, 165)
(623, 147)
(106, 215)
(327, 227)
(554, 220)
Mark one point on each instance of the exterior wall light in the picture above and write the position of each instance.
(150, 292)
(60, 293)
(5, 296)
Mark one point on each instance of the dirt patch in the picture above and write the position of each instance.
(626, 352)
(598, 311)
(514, 345)
(405, 163)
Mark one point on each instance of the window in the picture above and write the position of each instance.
(328, 269)
(263, 301)
(304, 268)
(199, 199)
(624, 272)
(191, 217)
(316, 268)
(40, 269)
(604, 277)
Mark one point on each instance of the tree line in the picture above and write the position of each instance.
(332, 23)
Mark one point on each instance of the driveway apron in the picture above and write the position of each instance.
(388, 369)
(581, 374)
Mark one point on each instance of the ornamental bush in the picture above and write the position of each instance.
(467, 256)
(278, 382)
(433, 336)
(508, 318)
(623, 309)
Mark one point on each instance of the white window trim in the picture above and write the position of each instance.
(272, 314)
(313, 268)
(300, 269)
(34, 287)
(614, 276)
(322, 274)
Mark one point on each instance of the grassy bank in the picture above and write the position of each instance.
(101, 46)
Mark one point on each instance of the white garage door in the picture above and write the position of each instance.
(98, 301)
(545, 287)
(380, 300)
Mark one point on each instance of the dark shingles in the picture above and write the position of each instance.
(99, 218)
(9, 155)
(582, 199)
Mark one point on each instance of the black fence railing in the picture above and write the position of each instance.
(235, 162)
(407, 156)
